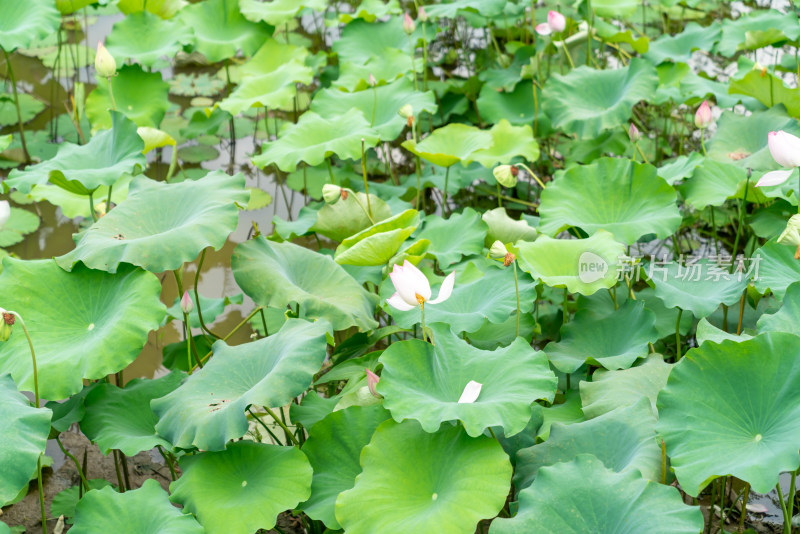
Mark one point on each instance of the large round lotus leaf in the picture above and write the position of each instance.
(680, 168)
(333, 447)
(160, 226)
(665, 317)
(581, 265)
(362, 41)
(29, 107)
(734, 32)
(166, 9)
(462, 234)
(774, 268)
(787, 317)
(505, 229)
(607, 105)
(315, 138)
(146, 510)
(83, 324)
(712, 183)
(679, 47)
(22, 441)
(767, 89)
(74, 204)
(699, 287)
(208, 409)
(609, 390)
(733, 409)
(624, 439)
(450, 144)
(424, 382)
(567, 412)
(22, 23)
(220, 30)
(615, 8)
(509, 142)
(278, 12)
(121, 419)
(377, 244)
(742, 139)
(141, 96)
(273, 90)
(516, 106)
(242, 488)
(19, 224)
(442, 483)
(346, 218)
(471, 304)
(585, 496)
(270, 274)
(614, 341)
(628, 199)
(379, 106)
(101, 161)
(146, 38)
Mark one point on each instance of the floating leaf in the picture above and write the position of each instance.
(423, 382)
(22, 23)
(457, 481)
(717, 418)
(220, 30)
(162, 225)
(208, 410)
(19, 224)
(242, 488)
(146, 38)
(84, 324)
(267, 273)
(29, 108)
(462, 234)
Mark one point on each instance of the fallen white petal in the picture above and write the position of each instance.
(773, 178)
(471, 392)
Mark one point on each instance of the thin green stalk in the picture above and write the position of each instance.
(413, 60)
(16, 103)
(262, 423)
(663, 462)
(742, 207)
(264, 323)
(644, 158)
(678, 335)
(703, 142)
(41, 493)
(124, 464)
(444, 199)
(790, 504)
(108, 200)
(111, 94)
(91, 206)
(235, 329)
(744, 506)
(422, 310)
(172, 472)
(363, 207)
(120, 480)
(197, 296)
(330, 171)
(787, 519)
(541, 183)
(364, 175)
(516, 288)
(69, 455)
(186, 326)
(283, 426)
(499, 196)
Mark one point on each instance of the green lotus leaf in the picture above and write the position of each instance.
(490, 296)
(567, 411)
(699, 287)
(22, 23)
(220, 30)
(278, 12)
(146, 510)
(242, 488)
(210, 307)
(680, 168)
(442, 483)
(581, 265)
(423, 382)
(708, 332)
(141, 96)
(162, 225)
(363, 42)
(268, 273)
(774, 268)
(614, 341)
(586, 496)
(369, 10)
(65, 501)
(101, 161)
(505, 229)
(146, 38)
(742, 140)
(623, 439)
(787, 317)
(313, 409)
(75, 204)
(665, 317)
(487, 8)
(450, 144)
(609, 390)
(197, 153)
(22, 441)
(390, 65)
(67, 7)
(377, 244)
(333, 447)
(29, 106)
(347, 217)
(609, 103)
(515, 106)
(208, 409)
(84, 324)
(615, 8)
(679, 48)
(734, 32)
(462, 234)
(741, 427)
(19, 224)
(121, 418)
(628, 199)
(69, 411)
(379, 105)
(509, 142)
(166, 9)
(314, 139)
(712, 183)
(767, 89)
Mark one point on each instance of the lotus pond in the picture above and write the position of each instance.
(399, 266)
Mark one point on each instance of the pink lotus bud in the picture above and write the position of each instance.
(186, 303)
(372, 81)
(785, 148)
(372, 381)
(634, 134)
(556, 21)
(408, 24)
(422, 15)
(104, 62)
(702, 119)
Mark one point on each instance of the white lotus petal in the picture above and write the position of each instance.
(396, 301)
(404, 285)
(420, 282)
(471, 392)
(773, 178)
(446, 290)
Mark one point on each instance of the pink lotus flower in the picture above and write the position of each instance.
(634, 134)
(556, 22)
(703, 118)
(186, 303)
(785, 150)
(412, 289)
(408, 24)
(372, 381)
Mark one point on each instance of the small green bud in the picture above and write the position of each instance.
(506, 175)
(498, 250)
(331, 193)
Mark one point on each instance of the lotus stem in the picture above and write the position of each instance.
(541, 183)
(264, 322)
(197, 296)
(644, 158)
(444, 198)
(111, 94)
(283, 426)
(16, 103)
(91, 206)
(787, 518)
(108, 200)
(742, 208)
(186, 326)
(516, 288)
(678, 335)
(422, 313)
(262, 423)
(790, 504)
(744, 506)
(330, 171)
(235, 329)
(364, 174)
(703, 143)
(663, 462)
(499, 196)
(413, 60)
(164, 455)
(84, 482)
